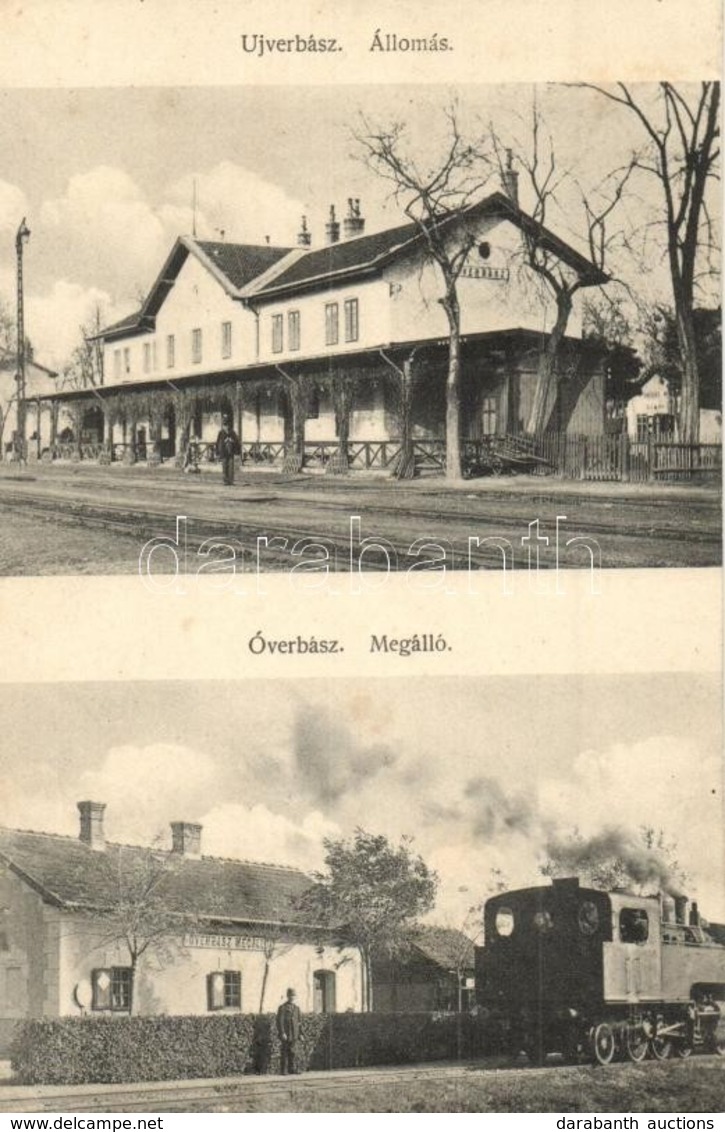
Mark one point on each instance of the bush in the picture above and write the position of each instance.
(395, 1039)
(73, 1051)
(314, 1034)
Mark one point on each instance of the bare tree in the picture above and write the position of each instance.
(545, 180)
(681, 128)
(84, 369)
(276, 943)
(140, 914)
(437, 200)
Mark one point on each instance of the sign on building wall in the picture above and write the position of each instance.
(225, 942)
(501, 274)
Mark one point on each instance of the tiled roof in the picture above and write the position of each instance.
(325, 266)
(447, 947)
(130, 322)
(347, 255)
(237, 264)
(240, 263)
(69, 874)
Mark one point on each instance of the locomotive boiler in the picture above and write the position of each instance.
(608, 975)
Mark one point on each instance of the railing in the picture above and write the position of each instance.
(592, 458)
(259, 452)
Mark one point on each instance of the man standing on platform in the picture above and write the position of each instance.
(289, 1024)
(227, 447)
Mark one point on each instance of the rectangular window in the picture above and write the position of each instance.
(127, 360)
(226, 339)
(146, 357)
(633, 925)
(111, 988)
(153, 356)
(351, 320)
(313, 405)
(170, 352)
(331, 324)
(117, 364)
(277, 334)
(293, 329)
(196, 345)
(224, 990)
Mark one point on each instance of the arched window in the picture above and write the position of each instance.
(323, 992)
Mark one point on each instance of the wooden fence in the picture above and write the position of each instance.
(594, 458)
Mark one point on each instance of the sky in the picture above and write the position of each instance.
(482, 772)
(105, 177)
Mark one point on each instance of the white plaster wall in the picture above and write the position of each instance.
(486, 304)
(175, 982)
(373, 322)
(654, 398)
(196, 301)
(29, 961)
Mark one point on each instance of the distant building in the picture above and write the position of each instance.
(41, 413)
(306, 347)
(435, 972)
(653, 413)
(239, 930)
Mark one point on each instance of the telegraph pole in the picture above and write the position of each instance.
(22, 235)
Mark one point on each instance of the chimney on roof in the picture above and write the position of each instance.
(304, 236)
(353, 224)
(510, 179)
(186, 838)
(332, 228)
(91, 832)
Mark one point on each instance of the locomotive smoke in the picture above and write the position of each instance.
(643, 866)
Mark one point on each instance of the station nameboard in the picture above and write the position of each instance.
(225, 942)
(501, 274)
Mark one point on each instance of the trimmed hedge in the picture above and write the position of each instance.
(353, 1040)
(72, 1051)
(75, 1051)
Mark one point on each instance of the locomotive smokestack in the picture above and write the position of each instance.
(667, 908)
(694, 915)
(681, 909)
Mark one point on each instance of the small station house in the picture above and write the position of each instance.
(226, 934)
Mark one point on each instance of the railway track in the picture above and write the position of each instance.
(266, 513)
(258, 1094)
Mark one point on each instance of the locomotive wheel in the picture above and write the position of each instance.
(604, 1045)
(683, 1049)
(660, 1048)
(636, 1042)
(717, 1046)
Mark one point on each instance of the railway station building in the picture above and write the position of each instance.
(324, 356)
(225, 935)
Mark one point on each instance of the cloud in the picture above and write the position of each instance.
(665, 782)
(13, 207)
(330, 761)
(235, 200)
(257, 833)
(147, 787)
(54, 318)
(104, 232)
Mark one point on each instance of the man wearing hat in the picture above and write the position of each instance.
(227, 447)
(289, 1024)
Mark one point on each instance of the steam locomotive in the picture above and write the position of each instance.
(605, 975)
